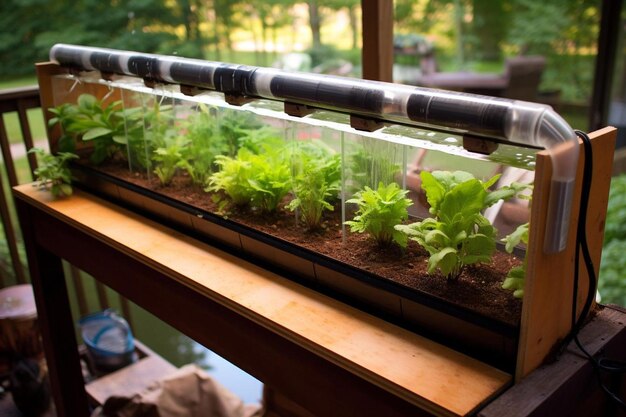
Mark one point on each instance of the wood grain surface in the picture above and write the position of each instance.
(422, 372)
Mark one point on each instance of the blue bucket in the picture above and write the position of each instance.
(109, 340)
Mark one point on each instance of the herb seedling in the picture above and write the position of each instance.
(212, 133)
(458, 234)
(379, 211)
(91, 121)
(232, 177)
(167, 159)
(270, 179)
(315, 183)
(198, 158)
(234, 125)
(259, 180)
(53, 173)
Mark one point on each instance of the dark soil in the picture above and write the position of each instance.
(478, 288)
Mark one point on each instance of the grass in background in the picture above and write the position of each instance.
(35, 120)
(18, 82)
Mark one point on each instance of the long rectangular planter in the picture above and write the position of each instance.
(548, 290)
(487, 339)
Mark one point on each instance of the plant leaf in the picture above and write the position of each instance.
(519, 235)
(446, 260)
(96, 132)
(121, 139)
(86, 101)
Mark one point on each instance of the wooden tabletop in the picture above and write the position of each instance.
(433, 377)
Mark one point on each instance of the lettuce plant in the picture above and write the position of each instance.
(316, 183)
(458, 234)
(514, 280)
(53, 173)
(91, 121)
(379, 211)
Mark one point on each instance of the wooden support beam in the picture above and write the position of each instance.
(377, 55)
(546, 312)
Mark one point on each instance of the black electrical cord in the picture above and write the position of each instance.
(602, 364)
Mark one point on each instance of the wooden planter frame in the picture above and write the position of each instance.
(546, 311)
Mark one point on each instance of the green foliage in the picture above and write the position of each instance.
(168, 158)
(198, 158)
(91, 121)
(232, 177)
(212, 132)
(316, 183)
(53, 173)
(139, 148)
(160, 128)
(459, 234)
(236, 128)
(373, 164)
(615, 228)
(514, 280)
(612, 284)
(270, 180)
(379, 211)
(258, 180)
(31, 27)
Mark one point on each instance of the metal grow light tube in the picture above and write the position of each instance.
(503, 120)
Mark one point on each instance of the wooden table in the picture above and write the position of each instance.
(330, 358)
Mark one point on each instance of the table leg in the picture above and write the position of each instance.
(55, 321)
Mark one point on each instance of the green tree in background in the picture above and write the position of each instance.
(31, 27)
(491, 20)
(566, 32)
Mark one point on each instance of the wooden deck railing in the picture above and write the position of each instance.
(20, 100)
(14, 100)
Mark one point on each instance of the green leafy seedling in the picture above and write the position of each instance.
(212, 132)
(168, 159)
(53, 173)
(249, 179)
(205, 143)
(515, 279)
(379, 211)
(316, 183)
(458, 234)
(232, 177)
(91, 121)
(270, 180)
